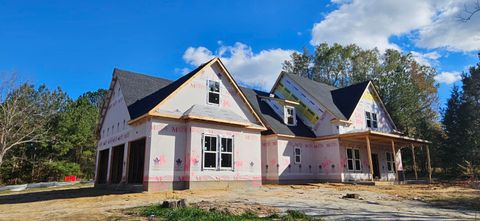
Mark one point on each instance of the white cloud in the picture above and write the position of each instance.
(430, 24)
(254, 69)
(370, 23)
(448, 77)
(448, 31)
(197, 56)
(428, 59)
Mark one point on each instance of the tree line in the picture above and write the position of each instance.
(410, 94)
(45, 134)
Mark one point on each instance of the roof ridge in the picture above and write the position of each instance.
(353, 85)
(317, 82)
(121, 71)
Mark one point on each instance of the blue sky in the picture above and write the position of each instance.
(76, 45)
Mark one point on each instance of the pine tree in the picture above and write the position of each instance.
(452, 145)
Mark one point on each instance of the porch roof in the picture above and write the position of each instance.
(377, 136)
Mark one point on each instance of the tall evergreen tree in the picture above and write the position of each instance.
(452, 145)
(470, 114)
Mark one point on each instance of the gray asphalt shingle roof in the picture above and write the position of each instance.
(271, 119)
(347, 98)
(320, 92)
(341, 102)
(142, 93)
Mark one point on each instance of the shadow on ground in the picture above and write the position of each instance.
(461, 203)
(57, 194)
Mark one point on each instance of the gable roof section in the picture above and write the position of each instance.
(320, 92)
(271, 119)
(142, 93)
(229, 77)
(347, 98)
(341, 102)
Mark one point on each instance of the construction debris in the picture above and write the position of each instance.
(173, 204)
(237, 208)
(351, 196)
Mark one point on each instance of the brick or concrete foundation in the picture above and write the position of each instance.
(300, 181)
(198, 185)
(122, 187)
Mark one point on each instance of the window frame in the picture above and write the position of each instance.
(372, 119)
(213, 92)
(286, 115)
(354, 159)
(222, 152)
(391, 162)
(295, 155)
(208, 151)
(218, 153)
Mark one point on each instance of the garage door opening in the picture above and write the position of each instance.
(136, 161)
(102, 167)
(116, 167)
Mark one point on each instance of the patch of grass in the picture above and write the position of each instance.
(296, 215)
(192, 213)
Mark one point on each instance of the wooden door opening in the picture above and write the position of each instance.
(116, 167)
(102, 167)
(136, 161)
(376, 169)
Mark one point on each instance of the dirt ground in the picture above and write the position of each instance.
(394, 202)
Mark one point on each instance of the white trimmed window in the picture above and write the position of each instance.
(210, 152)
(226, 153)
(298, 155)
(353, 159)
(213, 92)
(289, 116)
(390, 161)
(371, 119)
(217, 152)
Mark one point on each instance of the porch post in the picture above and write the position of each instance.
(395, 161)
(414, 162)
(429, 165)
(369, 152)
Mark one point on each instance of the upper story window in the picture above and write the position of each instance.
(289, 116)
(213, 92)
(371, 119)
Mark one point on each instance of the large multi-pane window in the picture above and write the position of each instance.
(217, 158)
(390, 162)
(226, 153)
(210, 152)
(371, 119)
(213, 92)
(353, 159)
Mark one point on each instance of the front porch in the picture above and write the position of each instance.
(375, 157)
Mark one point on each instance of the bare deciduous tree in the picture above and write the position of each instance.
(21, 118)
(470, 11)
